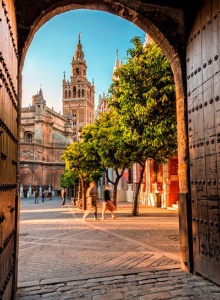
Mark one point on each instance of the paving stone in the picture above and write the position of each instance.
(105, 279)
(32, 288)
(32, 297)
(112, 296)
(156, 296)
(91, 285)
(147, 281)
(64, 288)
(184, 298)
(76, 283)
(121, 289)
(52, 295)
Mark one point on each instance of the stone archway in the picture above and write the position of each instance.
(23, 21)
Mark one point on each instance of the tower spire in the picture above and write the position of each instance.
(79, 54)
(116, 66)
(79, 37)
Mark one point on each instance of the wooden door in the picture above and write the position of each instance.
(203, 98)
(9, 209)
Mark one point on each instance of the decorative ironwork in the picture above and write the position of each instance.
(2, 218)
(7, 186)
(12, 209)
(10, 273)
(3, 156)
(14, 162)
(7, 130)
(7, 240)
(4, 80)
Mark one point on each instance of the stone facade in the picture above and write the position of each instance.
(45, 134)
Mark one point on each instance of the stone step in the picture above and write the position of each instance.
(173, 207)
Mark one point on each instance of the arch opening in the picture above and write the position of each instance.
(173, 53)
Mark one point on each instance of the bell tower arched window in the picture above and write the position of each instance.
(74, 92)
(28, 138)
(82, 92)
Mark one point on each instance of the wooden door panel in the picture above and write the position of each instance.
(203, 100)
(9, 150)
(203, 227)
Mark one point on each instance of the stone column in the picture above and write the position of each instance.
(30, 189)
(21, 190)
(40, 190)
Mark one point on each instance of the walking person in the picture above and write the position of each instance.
(107, 203)
(63, 195)
(36, 196)
(43, 196)
(91, 201)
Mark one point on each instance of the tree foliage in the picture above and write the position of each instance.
(107, 136)
(144, 95)
(83, 160)
(69, 179)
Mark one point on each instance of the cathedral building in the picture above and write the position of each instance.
(45, 134)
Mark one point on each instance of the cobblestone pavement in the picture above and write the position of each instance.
(62, 257)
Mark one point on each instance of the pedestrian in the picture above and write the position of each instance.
(36, 196)
(43, 196)
(91, 201)
(63, 195)
(50, 195)
(107, 203)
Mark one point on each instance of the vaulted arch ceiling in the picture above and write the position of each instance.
(162, 20)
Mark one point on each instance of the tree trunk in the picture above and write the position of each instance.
(84, 194)
(115, 183)
(115, 192)
(80, 190)
(135, 207)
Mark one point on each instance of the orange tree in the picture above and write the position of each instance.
(144, 97)
(83, 160)
(107, 136)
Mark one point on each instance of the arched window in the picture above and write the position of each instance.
(78, 92)
(28, 138)
(74, 92)
(69, 94)
(82, 92)
(65, 94)
(77, 71)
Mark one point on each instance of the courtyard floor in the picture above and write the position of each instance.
(63, 257)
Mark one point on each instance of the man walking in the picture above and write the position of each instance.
(107, 203)
(91, 201)
(63, 195)
(36, 196)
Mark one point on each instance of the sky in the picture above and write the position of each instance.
(53, 47)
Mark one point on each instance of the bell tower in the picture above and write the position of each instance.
(78, 94)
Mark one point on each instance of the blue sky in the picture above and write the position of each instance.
(53, 46)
